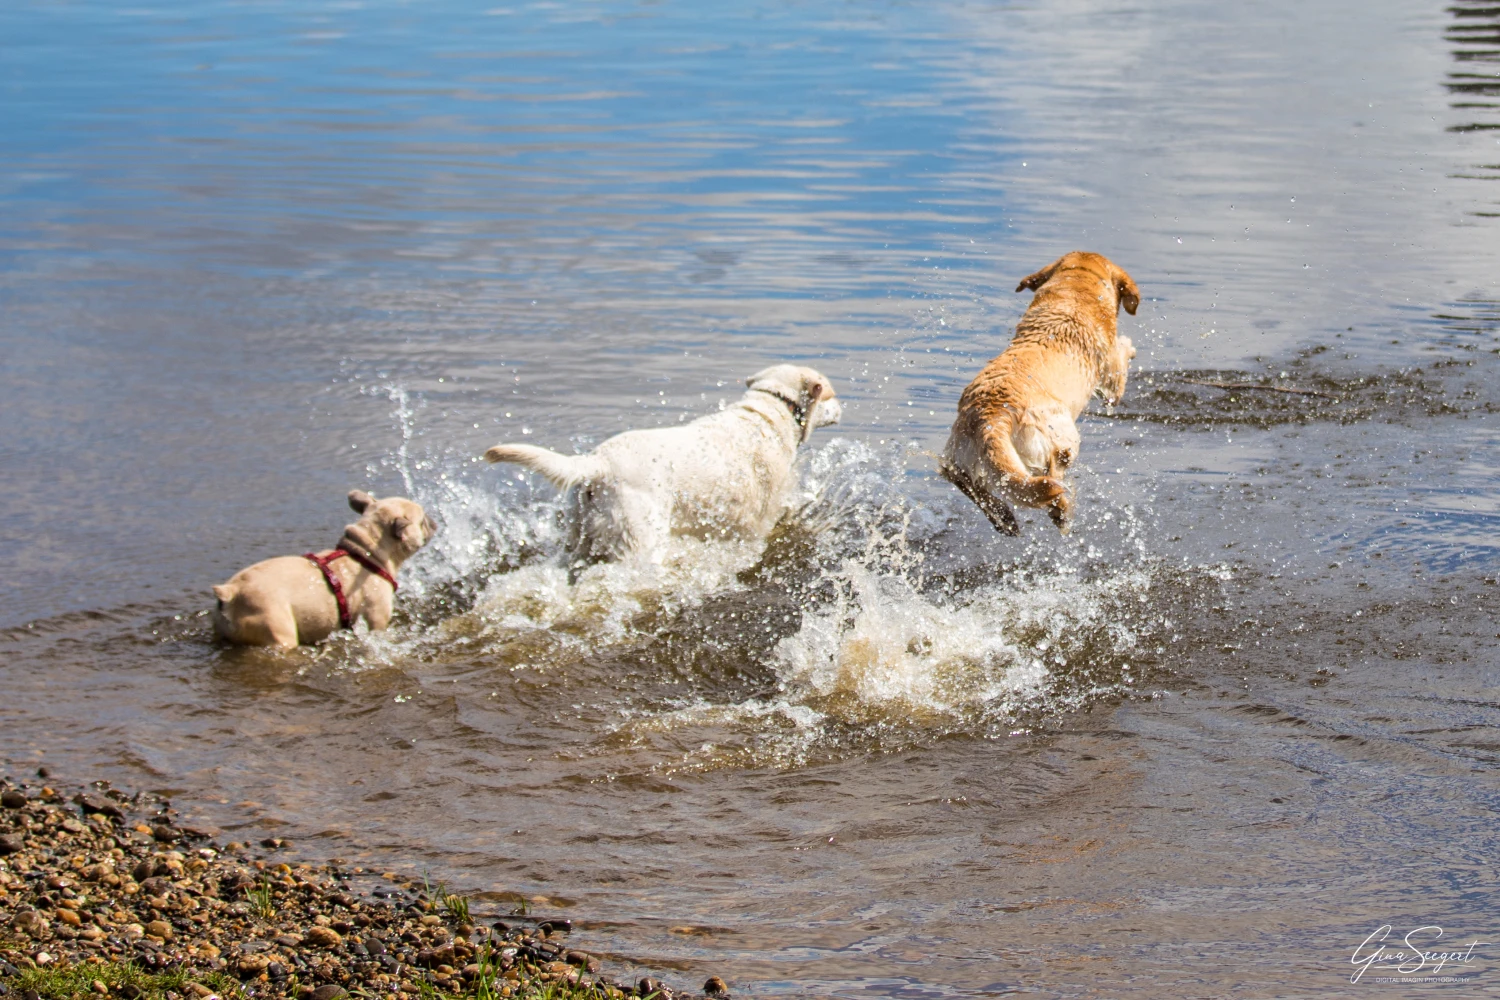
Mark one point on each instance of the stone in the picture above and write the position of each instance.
(160, 929)
(164, 834)
(69, 917)
(28, 921)
(324, 937)
(91, 803)
(253, 965)
(11, 844)
(13, 798)
(715, 987)
(648, 986)
(328, 992)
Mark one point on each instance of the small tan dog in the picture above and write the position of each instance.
(1015, 432)
(302, 599)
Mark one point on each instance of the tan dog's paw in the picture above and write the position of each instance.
(1127, 349)
(1061, 513)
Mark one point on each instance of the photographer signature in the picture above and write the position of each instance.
(1408, 958)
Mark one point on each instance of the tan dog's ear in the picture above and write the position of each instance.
(1130, 296)
(399, 526)
(1040, 278)
(359, 500)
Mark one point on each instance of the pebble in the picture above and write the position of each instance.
(715, 987)
(92, 878)
(324, 937)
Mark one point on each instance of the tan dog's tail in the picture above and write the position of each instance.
(562, 471)
(224, 593)
(1020, 485)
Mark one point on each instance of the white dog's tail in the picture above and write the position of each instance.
(562, 471)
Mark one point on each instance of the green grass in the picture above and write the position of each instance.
(260, 901)
(63, 982)
(487, 985)
(457, 907)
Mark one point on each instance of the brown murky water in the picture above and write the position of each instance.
(1248, 713)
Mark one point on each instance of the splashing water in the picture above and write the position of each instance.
(859, 625)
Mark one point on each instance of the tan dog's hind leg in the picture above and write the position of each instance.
(241, 620)
(270, 630)
(1001, 439)
(998, 511)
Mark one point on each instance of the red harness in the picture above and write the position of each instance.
(324, 562)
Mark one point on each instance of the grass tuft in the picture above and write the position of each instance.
(261, 902)
(64, 982)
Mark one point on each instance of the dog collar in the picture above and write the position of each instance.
(801, 415)
(798, 411)
(367, 560)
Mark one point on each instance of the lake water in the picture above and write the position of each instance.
(255, 254)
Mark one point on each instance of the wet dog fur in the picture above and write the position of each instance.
(286, 601)
(724, 475)
(1016, 431)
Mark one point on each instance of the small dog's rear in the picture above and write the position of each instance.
(1016, 433)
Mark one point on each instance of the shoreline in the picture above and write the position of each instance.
(104, 892)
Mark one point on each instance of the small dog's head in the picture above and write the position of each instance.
(806, 390)
(394, 526)
(1096, 265)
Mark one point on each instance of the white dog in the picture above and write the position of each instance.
(725, 475)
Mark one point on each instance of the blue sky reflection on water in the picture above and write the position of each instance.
(253, 254)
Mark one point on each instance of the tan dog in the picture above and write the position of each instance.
(303, 599)
(1015, 432)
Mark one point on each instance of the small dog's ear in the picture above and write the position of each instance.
(359, 500)
(1130, 296)
(1040, 278)
(399, 526)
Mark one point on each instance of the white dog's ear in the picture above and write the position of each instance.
(399, 526)
(359, 500)
(761, 376)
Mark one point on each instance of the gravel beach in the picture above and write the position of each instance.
(104, 892)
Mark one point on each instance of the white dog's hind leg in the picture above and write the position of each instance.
(645, 523)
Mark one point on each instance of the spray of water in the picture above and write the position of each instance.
(869, 621)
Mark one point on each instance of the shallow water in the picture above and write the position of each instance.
(257, 254)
